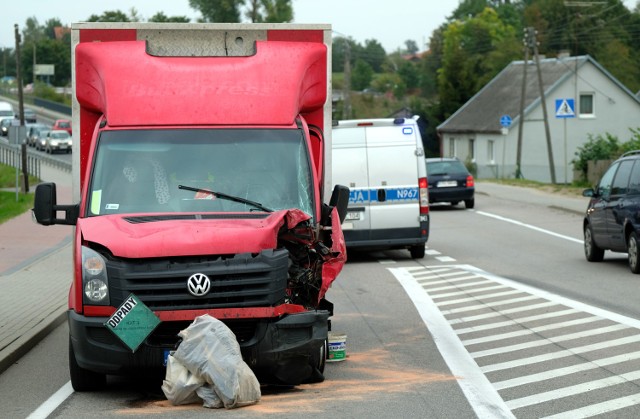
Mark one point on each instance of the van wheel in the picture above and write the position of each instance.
(591, 250)
(417, 252)
(634, 255)
(469, 203)
(82, 379)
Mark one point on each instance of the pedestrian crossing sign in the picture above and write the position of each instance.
(565, 108)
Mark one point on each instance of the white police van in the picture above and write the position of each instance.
(382, 162)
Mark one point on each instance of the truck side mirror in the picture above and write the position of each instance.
(43, 203)
(340, 200)
(45, 208)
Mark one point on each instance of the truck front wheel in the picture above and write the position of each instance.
(82, 379)
(318, 363)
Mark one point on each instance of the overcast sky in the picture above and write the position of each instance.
(390, 22)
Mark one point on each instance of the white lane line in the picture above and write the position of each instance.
(52, 403)
(387, 261)
(489, 285)
(478, 298)
(515, 322)
(445, 259)
(457, 287)
(501, 313)
(560, 354)
(482, 396)
(426, 283)
(431, 252)
(573, 390)
(521, 224)
(548, 341)
(531, 331)
(559, 372)
(437, 274)
(599, 408)
(490, 305)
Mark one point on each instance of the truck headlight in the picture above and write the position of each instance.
(95, 282)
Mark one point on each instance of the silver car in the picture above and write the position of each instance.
(58, 140)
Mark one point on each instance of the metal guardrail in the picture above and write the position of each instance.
(11, 155)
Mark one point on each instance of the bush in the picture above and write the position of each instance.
(598, 148)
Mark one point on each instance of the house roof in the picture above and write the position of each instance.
(502, 95)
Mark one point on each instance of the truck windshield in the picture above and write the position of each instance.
(140, 171)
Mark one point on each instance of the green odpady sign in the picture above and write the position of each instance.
(132, 322)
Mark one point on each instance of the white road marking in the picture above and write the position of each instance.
(547, 341)
(470, 299)
(558, 372)
(573, 390)
(489, 305)
(531, 331)
(518, 322)
(487, 287)
(599, 408)
(52, 403)
(502, 312)
(445, 259)
(482, 396)
(560, 354)
(529, 226)
(447, 281)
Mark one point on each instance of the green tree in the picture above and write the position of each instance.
(110, 16)
(160, 17)
(409, 73)
(277, 11)
(361, 75)
(411, 46)
(474, 51)
(373, 53)
(220, 11)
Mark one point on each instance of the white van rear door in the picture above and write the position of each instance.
(350, 168)
(393, 176)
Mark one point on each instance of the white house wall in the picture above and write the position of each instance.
(615, 112)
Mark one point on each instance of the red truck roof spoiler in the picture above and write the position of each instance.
(132, 88)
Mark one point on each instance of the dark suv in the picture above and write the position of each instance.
(612, 221)
(450, 181)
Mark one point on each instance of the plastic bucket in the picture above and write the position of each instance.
(337, 347)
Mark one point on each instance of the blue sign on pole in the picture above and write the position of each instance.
(505, 121)
(565, 108)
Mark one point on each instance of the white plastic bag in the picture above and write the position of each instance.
(179, 385)
(210, 351)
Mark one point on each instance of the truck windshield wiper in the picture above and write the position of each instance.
(227, 197)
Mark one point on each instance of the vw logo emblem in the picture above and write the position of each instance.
(198, 285)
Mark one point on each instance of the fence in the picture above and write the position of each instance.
(11, 155)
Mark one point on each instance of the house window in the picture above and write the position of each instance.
(586, 105)
(491, 156)
(452, 147)
(472, 149)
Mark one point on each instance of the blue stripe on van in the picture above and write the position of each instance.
(401, 194)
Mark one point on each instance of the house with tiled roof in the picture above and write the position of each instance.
(582, 98)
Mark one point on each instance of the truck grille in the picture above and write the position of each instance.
(237, 281)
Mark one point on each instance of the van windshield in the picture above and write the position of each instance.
(141, 171)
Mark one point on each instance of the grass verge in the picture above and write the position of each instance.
(9, 206)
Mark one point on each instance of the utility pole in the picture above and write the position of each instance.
(552, 168)
(25, 173)
(527, 41)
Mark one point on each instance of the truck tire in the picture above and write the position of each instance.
(82, 379)
(417, 252)
(318, 362)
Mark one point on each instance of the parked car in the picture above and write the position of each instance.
(33, 132)
(58, 140)
(63, 124)
(611, 221)
(450, 181)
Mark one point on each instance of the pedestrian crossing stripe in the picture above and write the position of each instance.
(565, 108)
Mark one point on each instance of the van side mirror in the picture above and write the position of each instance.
(340, 200)
(45, 208)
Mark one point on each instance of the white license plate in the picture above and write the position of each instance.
(447, 184)
(352, 216)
